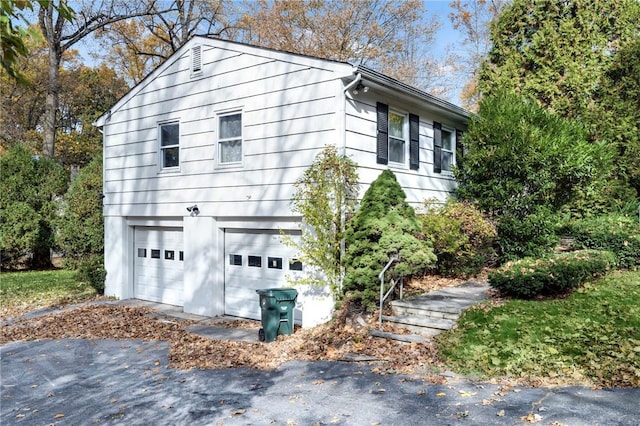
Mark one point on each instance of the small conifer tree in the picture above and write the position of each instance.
(385, 225)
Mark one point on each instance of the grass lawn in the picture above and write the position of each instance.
(592, 336)
(21, 292)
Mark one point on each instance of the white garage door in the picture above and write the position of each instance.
(254, 260)
(158, 267)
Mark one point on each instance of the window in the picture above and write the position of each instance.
(447, 149)
(295, 265)
(394, 132)
(181, 256)
(274, 262)
(235, 259)
(169, 255)
(444, 146)
(396, 138)
(255, 261)
(142, 252)
(155, 254)
(230, 138)
(170, 145)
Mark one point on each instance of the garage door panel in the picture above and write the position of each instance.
(158, 270)
(242, 280)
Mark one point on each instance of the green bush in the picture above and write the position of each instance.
(553, 275)
(29, 188)
(617, 233)
(91, 270)
(81, 225)
(385, 225)
(522, 165)
(532, 235)
(462, 237)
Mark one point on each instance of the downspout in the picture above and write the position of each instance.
(343, 148)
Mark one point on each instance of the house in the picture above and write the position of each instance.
(200, 159)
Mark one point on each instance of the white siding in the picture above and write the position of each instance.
(288, 105)
(419, 185)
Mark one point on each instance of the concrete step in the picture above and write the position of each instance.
(409, 338)
(420, 322)
(443, 311)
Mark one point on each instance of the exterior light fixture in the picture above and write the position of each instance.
(194, 210)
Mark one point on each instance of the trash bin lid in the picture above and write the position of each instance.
(281, 294)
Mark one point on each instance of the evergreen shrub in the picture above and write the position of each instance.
(384, 225)
(527, 278)
(91, 270)
(617, 233)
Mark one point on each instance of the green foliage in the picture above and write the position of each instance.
(28, 208)
(326, 197)
(615, 115)
(553, 275)
(522, 164)
(617, 233)
(12, 36)
(81, 225)
(589, 338)
(576, 61)
(385, 225)
(461, 236)
(91, 270)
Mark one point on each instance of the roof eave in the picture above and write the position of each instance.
(394, 84)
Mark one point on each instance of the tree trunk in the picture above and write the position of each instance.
(51, 109)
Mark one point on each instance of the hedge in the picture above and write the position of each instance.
(553, 275)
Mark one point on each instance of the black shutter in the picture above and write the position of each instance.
(437, 147)
(414, 142)
(382, 150)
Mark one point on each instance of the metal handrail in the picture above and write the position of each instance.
(384, 296)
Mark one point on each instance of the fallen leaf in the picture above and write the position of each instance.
(238, 412)
(531, 418)
(441, 394)
(465, 394)
(58, 416)
(500, 413)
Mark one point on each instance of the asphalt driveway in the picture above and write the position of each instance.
(85, 382)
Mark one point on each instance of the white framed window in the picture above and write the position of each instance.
(169, 135)
(448, 149)
(397, 137)
(230, 138)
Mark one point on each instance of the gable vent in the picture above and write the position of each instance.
(196, 60)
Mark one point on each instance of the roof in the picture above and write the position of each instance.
(367, 73)
(394, 84)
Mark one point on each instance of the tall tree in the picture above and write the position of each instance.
(557, 53)
(84, 94)
(391, 36)
(137, 46)
(473, 19)
(61, 35)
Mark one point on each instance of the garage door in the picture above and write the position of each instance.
(254, 260)
(158, 267)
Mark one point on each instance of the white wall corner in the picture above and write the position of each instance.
(201, 266)
(118, 243)
(314, 305)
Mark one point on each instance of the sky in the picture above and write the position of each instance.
(446, 36)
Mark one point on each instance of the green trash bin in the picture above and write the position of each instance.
(276, 308)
